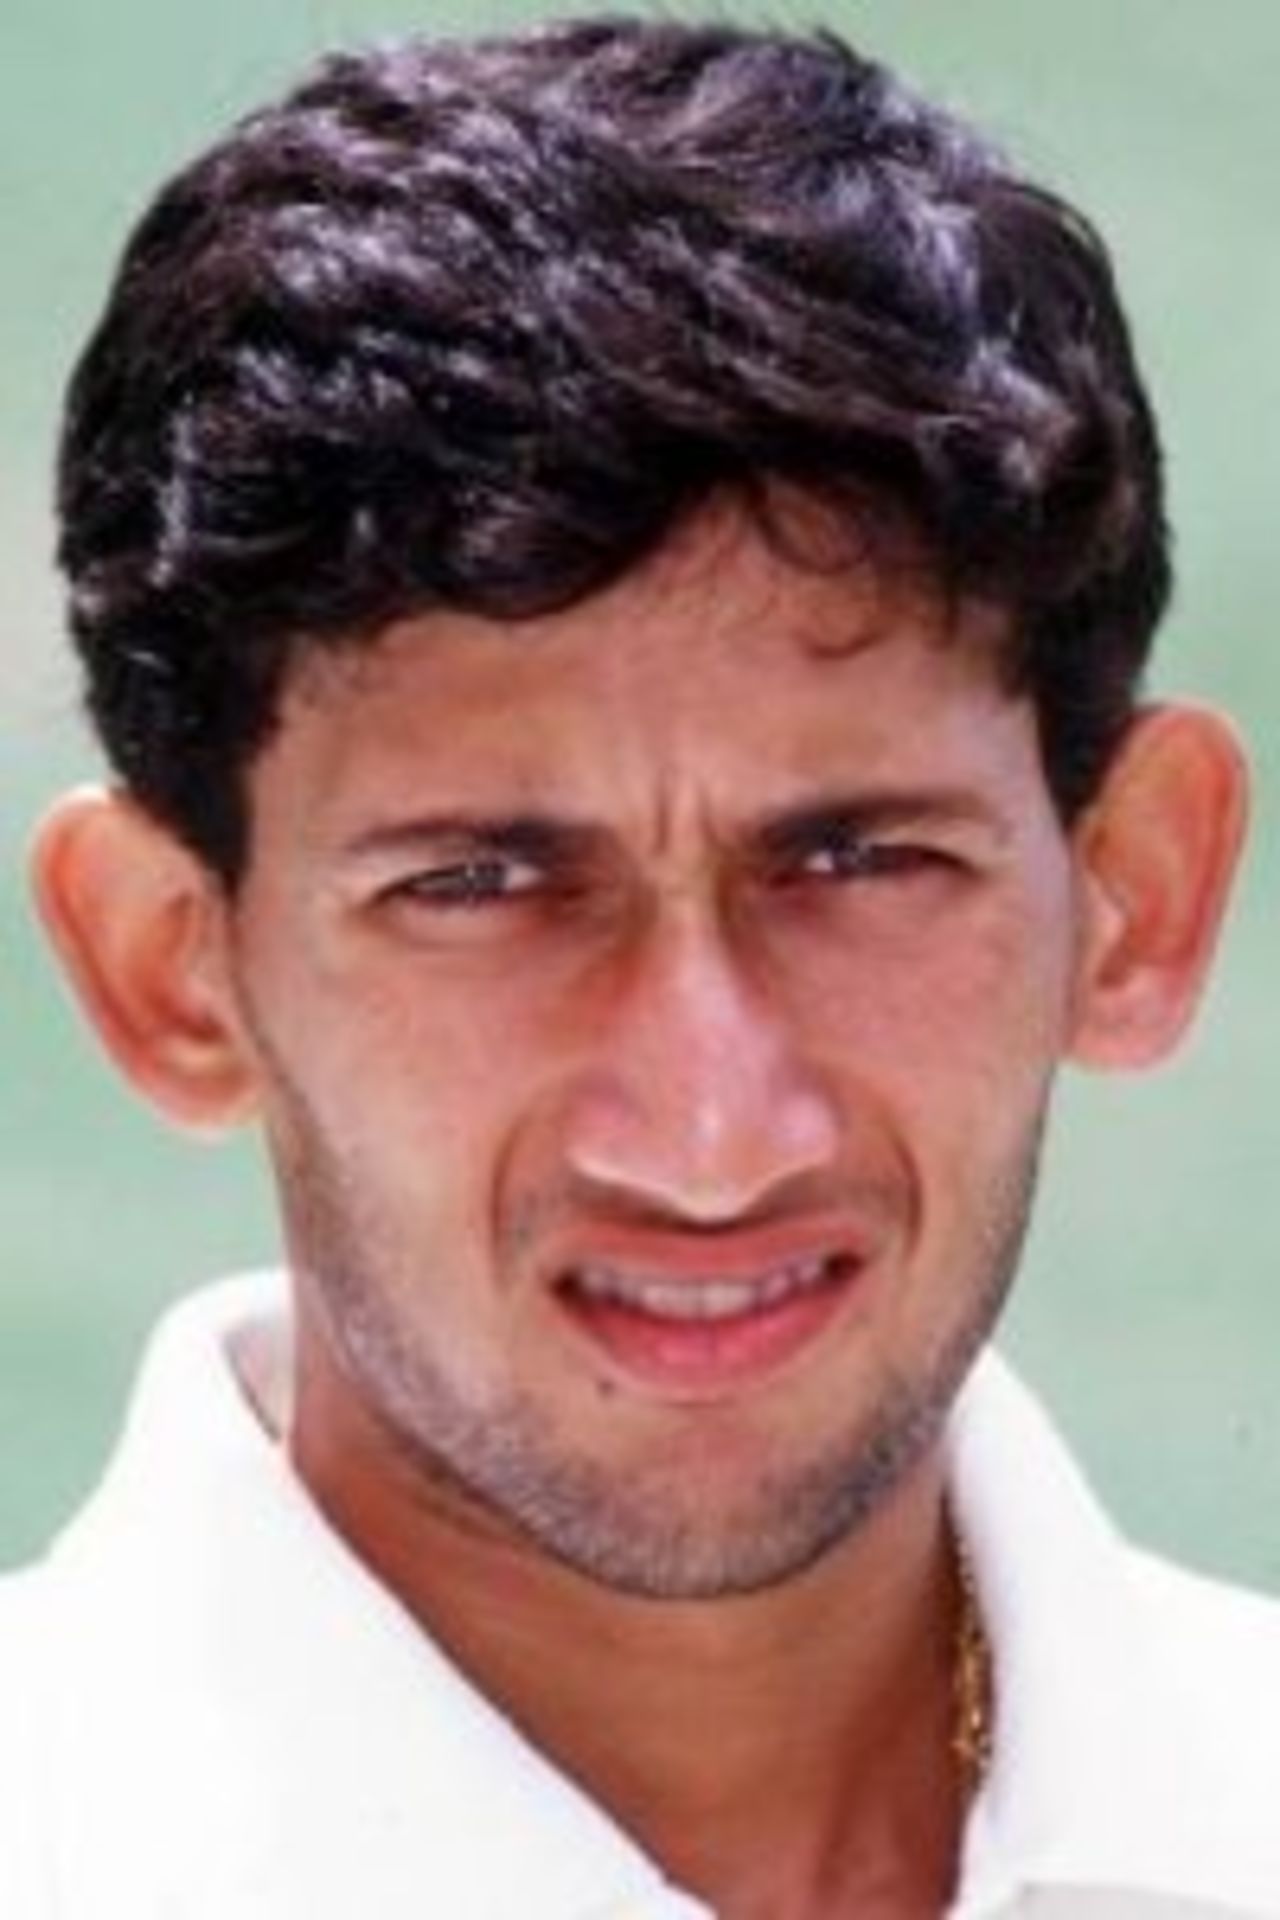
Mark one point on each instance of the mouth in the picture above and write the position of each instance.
(703, 1331)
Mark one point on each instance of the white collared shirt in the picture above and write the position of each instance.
(209, 1710)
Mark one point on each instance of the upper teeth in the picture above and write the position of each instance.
(699, 1299)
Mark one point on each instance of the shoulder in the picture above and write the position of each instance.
(28, 1641)
(1138, 1704)
(1209, 1661)
(26, 1653)
(1219, 1645)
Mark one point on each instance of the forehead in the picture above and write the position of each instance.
(723, 654)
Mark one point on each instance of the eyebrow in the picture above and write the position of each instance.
(863, 815)
(550, 838)
(527, 836)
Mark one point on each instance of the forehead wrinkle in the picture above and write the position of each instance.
(652, 662)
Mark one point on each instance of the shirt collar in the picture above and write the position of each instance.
(302, 1751)
(1107, 1790)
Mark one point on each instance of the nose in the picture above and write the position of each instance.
(698, 1101)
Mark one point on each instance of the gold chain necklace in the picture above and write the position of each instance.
(971, 1739)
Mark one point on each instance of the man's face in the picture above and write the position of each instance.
(655, 1007)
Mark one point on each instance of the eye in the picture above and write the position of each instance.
(853, 857)
(480, 880)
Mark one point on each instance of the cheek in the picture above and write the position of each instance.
(400, 1103)
(949, 1031)
(368, 1031)
(947, 991)
(388, 1170)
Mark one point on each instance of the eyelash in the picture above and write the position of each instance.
(469, 884)
(485, 881)
(854, 859)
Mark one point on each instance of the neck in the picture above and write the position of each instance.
(790, 1751)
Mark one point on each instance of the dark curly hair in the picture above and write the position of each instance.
(476, 324)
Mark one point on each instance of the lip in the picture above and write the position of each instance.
(688, 1355)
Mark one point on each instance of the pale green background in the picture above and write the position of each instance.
(1150, 1312)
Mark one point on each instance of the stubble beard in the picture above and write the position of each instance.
(643, 1532)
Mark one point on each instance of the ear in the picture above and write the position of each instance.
(140, 925)
(1156, 852)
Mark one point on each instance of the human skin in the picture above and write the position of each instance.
(786, 984)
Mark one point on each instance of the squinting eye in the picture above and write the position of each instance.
(871, 860)
(479, 882)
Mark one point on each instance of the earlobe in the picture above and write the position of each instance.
(139, 925)
(1156, 853)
